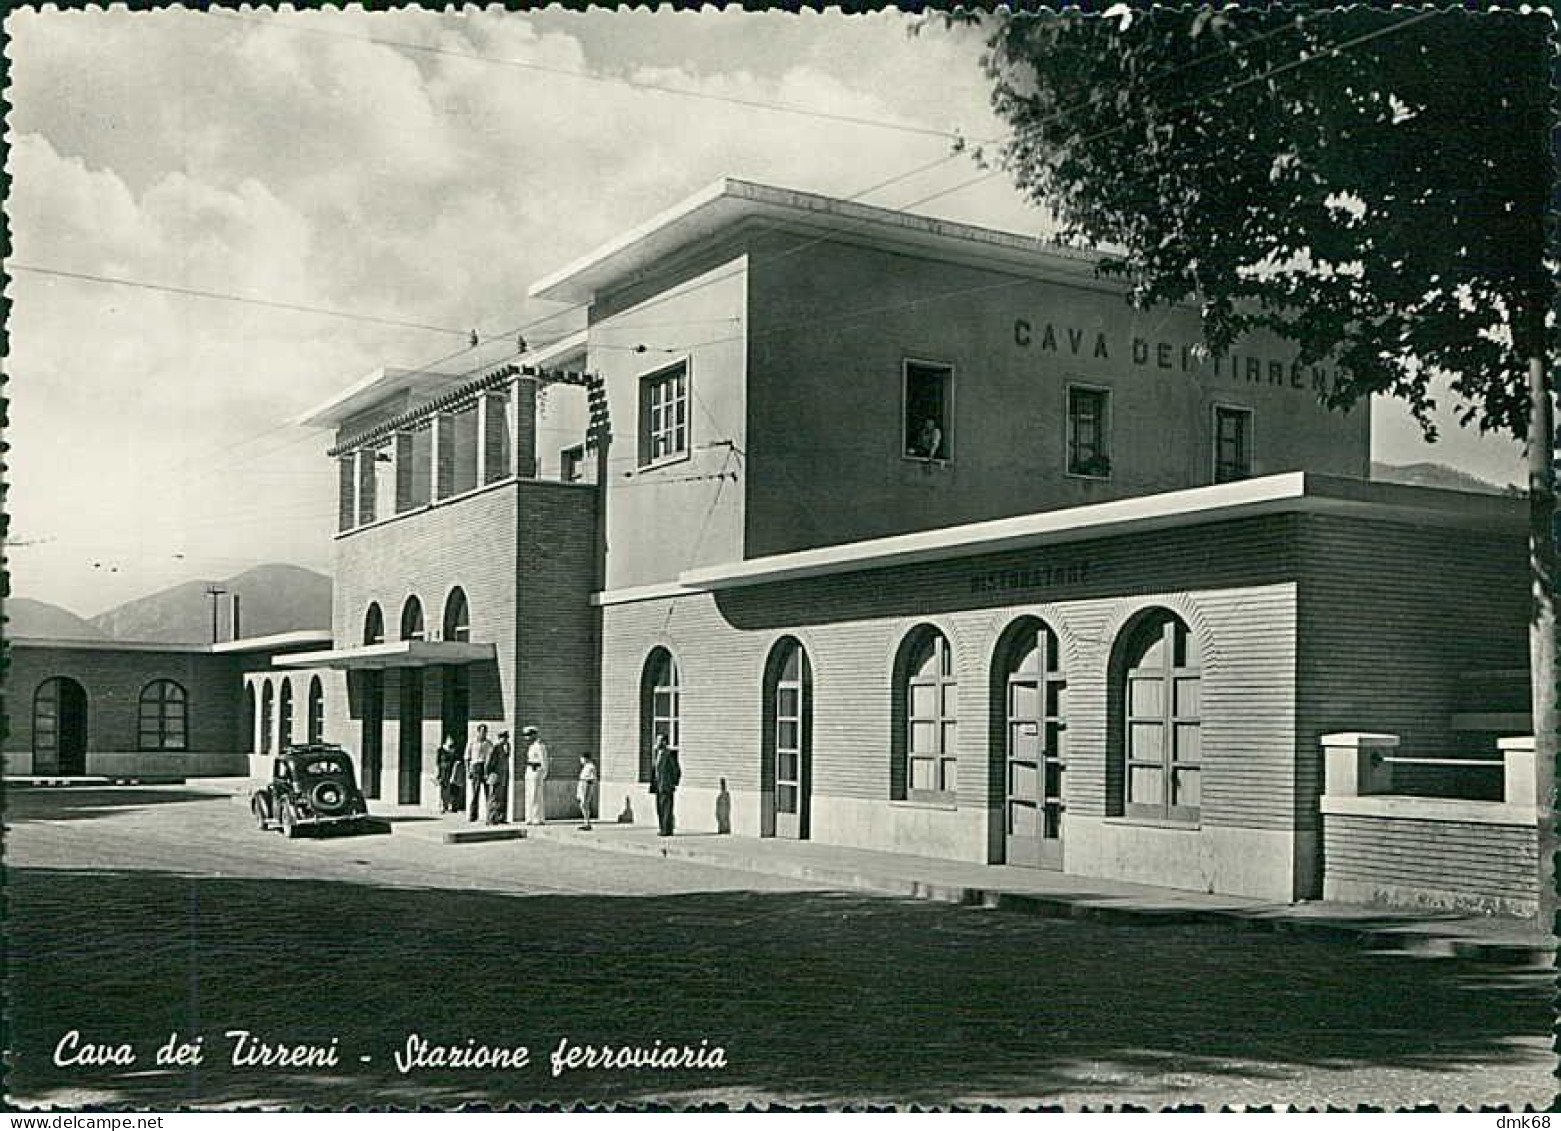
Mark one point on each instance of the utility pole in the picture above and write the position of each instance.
(214, 592)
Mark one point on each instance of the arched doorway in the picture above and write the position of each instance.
(1029, 741)
(787, 758)
(60, 727)
(249, 718)
(660, 706)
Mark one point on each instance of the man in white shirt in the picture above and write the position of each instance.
(536, 777)
(477, 753)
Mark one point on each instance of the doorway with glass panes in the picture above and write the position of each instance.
(787, 756)
(1030, 743)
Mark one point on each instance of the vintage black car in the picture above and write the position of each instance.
(311, 785)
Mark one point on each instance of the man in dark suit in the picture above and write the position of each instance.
(665, 775)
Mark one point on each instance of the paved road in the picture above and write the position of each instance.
(133, 913)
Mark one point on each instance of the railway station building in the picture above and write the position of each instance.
(916, 536)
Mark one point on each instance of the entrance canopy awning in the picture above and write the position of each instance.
(392, 654)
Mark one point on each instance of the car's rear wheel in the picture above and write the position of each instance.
(257, 806)
(289, 820)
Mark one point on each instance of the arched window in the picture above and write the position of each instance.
(1156, 733)
(163, 716)
(374, 625)
(266, 715)
(660, 702)
(249, 717)
(927, 724)
(285, 719)
(412, 619)
(316, 710)
(457, 625)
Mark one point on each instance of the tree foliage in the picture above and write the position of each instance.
(1370, 184)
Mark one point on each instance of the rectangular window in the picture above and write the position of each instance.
(1089, 424)
(664, 414)
(929, 397)
(1232, 443)
(571, 464)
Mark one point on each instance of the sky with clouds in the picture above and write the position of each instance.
(412, 167)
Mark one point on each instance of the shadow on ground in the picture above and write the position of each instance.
(816, 997)
(78, 803)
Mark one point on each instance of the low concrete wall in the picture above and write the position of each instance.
(1477, 856)
(1449, 853)
(1237, 861)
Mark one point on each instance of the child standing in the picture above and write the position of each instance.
(585, 791)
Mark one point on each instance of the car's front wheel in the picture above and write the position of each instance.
(289, 820)
(257, 806)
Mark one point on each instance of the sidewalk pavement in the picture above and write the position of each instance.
(1038, 892)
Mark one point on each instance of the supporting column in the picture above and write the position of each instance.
(482, 440)
(1353, 766)
(1517, 756)
(523, 427)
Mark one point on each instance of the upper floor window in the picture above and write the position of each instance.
(1232, 443)
(1089, 432)
(929, 401)
(1158, 736)
(373, 625)
(664, 414)
(571, 464)
(927, 699)
(457, 620)
(163, 716)
(412, 619)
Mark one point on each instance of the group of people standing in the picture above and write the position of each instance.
(485, 766)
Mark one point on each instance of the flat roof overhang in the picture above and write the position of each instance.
(1292, 492)
(393, 654)
(730, 201)
(423, 386)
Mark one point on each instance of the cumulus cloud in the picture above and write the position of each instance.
(416, 165)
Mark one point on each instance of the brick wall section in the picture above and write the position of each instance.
(1452, 864)
(526, 461)
(1392, 616)
(470, 543)
(556, 626)
(1235, 587)
(333, 685)
(113, 681)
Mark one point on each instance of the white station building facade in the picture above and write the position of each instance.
(916, 536)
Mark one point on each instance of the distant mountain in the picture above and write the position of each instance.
(26, 617)
(272, 598)
(1434, 475)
